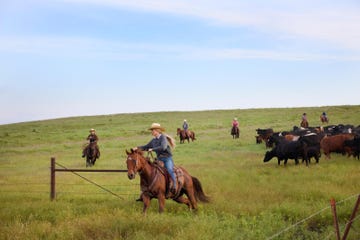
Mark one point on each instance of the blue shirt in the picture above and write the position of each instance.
(159, 145)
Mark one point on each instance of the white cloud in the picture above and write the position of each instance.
(91, 48)
(332, 22)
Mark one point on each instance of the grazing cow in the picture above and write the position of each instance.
(334, 143)
(285, 150)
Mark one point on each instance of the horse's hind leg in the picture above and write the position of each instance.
(192, 199)
(183, 200)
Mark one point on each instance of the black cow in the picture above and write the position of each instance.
(263, 134)
(286, 150)
(311, 146)
(352, 146)
(312, 152)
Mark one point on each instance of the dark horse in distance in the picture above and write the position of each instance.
(154, 182)
(185, 135)
(324, 119)
(91, 152)
(235, 132)
(304, 124)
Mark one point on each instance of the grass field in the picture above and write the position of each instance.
(249, 199)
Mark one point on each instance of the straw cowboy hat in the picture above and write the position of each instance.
(92, 130)
(156, 126)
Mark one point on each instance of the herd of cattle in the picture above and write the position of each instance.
(307, 143)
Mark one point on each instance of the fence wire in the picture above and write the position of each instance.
(92, 182)
(311, 216)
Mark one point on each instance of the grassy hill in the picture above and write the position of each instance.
(249, 199)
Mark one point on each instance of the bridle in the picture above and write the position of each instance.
(136, 160)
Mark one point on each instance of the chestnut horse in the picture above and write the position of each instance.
(154, 183)
(185, 135)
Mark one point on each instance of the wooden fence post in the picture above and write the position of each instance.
(52, 179)
(336, 223)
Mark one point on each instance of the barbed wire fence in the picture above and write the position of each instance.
(42, 187)
(336, 232)
(39, 185)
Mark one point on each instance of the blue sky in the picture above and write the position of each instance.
(64, 58)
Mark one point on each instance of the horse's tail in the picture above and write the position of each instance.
(198, 191)
(193, 136)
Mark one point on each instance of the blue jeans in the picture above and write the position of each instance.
(169, 165)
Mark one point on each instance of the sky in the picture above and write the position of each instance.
(64, 58)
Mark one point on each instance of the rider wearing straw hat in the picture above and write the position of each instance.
(161, 144)
(92, 137)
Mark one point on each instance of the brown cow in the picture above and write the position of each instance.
(291, 137)
(334, 143)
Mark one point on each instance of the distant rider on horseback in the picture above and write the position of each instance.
(92, 138)
(324, 117)
(235, 123)
(304, 122)
(186, 128)
(235, 128)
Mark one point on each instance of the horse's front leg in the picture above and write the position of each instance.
(161, 200)
(146, 200)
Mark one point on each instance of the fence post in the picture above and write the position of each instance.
(52, 179)
(353, 214)
(336, 223)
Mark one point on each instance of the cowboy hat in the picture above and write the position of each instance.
(92, 130)
(156, 126)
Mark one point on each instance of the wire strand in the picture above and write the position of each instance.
(92, 182)
(307, 218)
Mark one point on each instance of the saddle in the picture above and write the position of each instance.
(179, 175)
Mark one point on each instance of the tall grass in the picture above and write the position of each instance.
(249, 199)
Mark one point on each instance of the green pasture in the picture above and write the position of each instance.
(250, 199)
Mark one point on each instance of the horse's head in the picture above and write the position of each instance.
(178, 131)
(134, 162)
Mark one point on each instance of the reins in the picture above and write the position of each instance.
(149, 153)
(155, 175)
